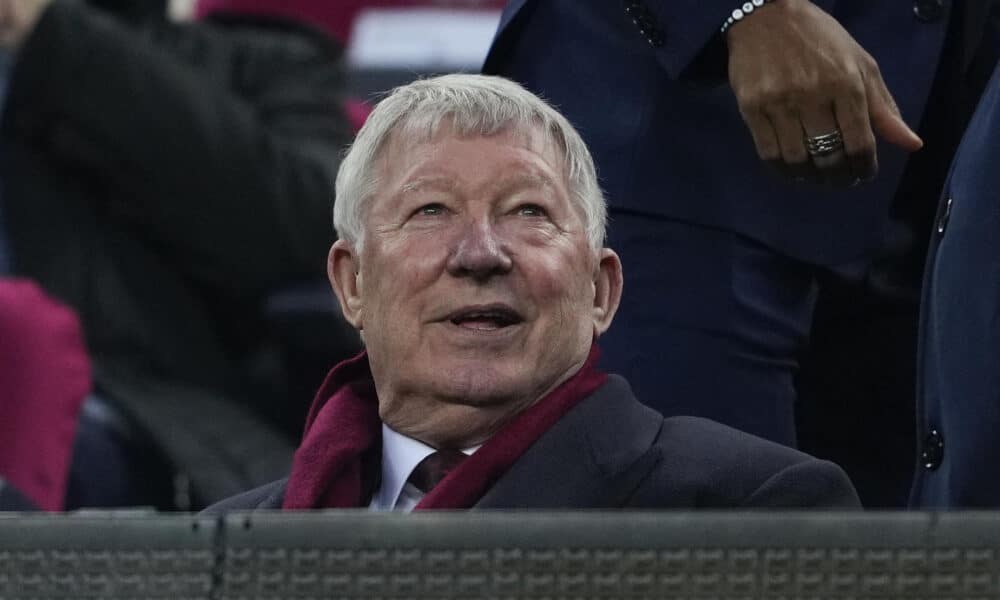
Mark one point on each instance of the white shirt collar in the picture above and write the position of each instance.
(400, 455)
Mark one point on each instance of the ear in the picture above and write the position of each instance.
(607, 289)
(343, 268)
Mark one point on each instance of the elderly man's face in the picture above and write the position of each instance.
(477, 290)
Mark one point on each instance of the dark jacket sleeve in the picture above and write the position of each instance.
(219, 149)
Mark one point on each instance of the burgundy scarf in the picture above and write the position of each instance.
(342, 445)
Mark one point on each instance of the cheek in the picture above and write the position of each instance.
(397, 279)
(541, 237)
(562, 283)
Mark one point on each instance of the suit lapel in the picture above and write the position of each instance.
(977, 20)
(594, 457)
(498, 47)
(512, 8)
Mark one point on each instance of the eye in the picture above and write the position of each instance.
(531, 210)
(430, 210)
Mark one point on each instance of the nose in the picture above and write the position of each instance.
(479, 253)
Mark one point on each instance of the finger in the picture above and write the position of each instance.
(818, 121)
(851, 112)
(793, 151)
(885, 117)
(833, 167)
(763, 134)
(769, 150)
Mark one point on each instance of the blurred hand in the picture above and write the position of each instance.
(797, 73)
(17, 19)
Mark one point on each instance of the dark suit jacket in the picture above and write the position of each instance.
(610, 451)
(958, 384)
(653, 103)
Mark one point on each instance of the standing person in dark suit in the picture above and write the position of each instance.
(164, 179)
(958, 402)
(471, 257)
(691, 108)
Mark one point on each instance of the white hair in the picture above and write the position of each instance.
(470, 105)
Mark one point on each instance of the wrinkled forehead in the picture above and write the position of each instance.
(407, 143)
(414, 132)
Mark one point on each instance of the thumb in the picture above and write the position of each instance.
(885, 117)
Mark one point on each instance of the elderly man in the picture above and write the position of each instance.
(471, 259)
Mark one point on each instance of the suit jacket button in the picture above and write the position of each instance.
(942, 222)
(933, 450)
(634, 8)
(928, 11)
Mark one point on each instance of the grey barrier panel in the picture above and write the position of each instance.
(964, 555)
(732, 556)
(530, 555)
(108, 555)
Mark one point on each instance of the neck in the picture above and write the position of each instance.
(444, 424)
(455, 423)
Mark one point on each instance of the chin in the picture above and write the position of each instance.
(484, 385)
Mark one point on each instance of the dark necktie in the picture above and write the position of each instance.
(434, 468)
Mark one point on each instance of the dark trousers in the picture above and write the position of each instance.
(716, 325)
(711, 324)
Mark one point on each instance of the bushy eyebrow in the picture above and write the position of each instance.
(444, 183)
(525, 181)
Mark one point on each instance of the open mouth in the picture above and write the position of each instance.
(490, 318)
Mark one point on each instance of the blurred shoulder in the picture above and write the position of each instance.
(266, 497)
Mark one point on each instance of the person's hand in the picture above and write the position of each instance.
(17, 19)
(797, 74)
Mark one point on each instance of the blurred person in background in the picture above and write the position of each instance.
(167, 180)
(44, 378)
(336, 18)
